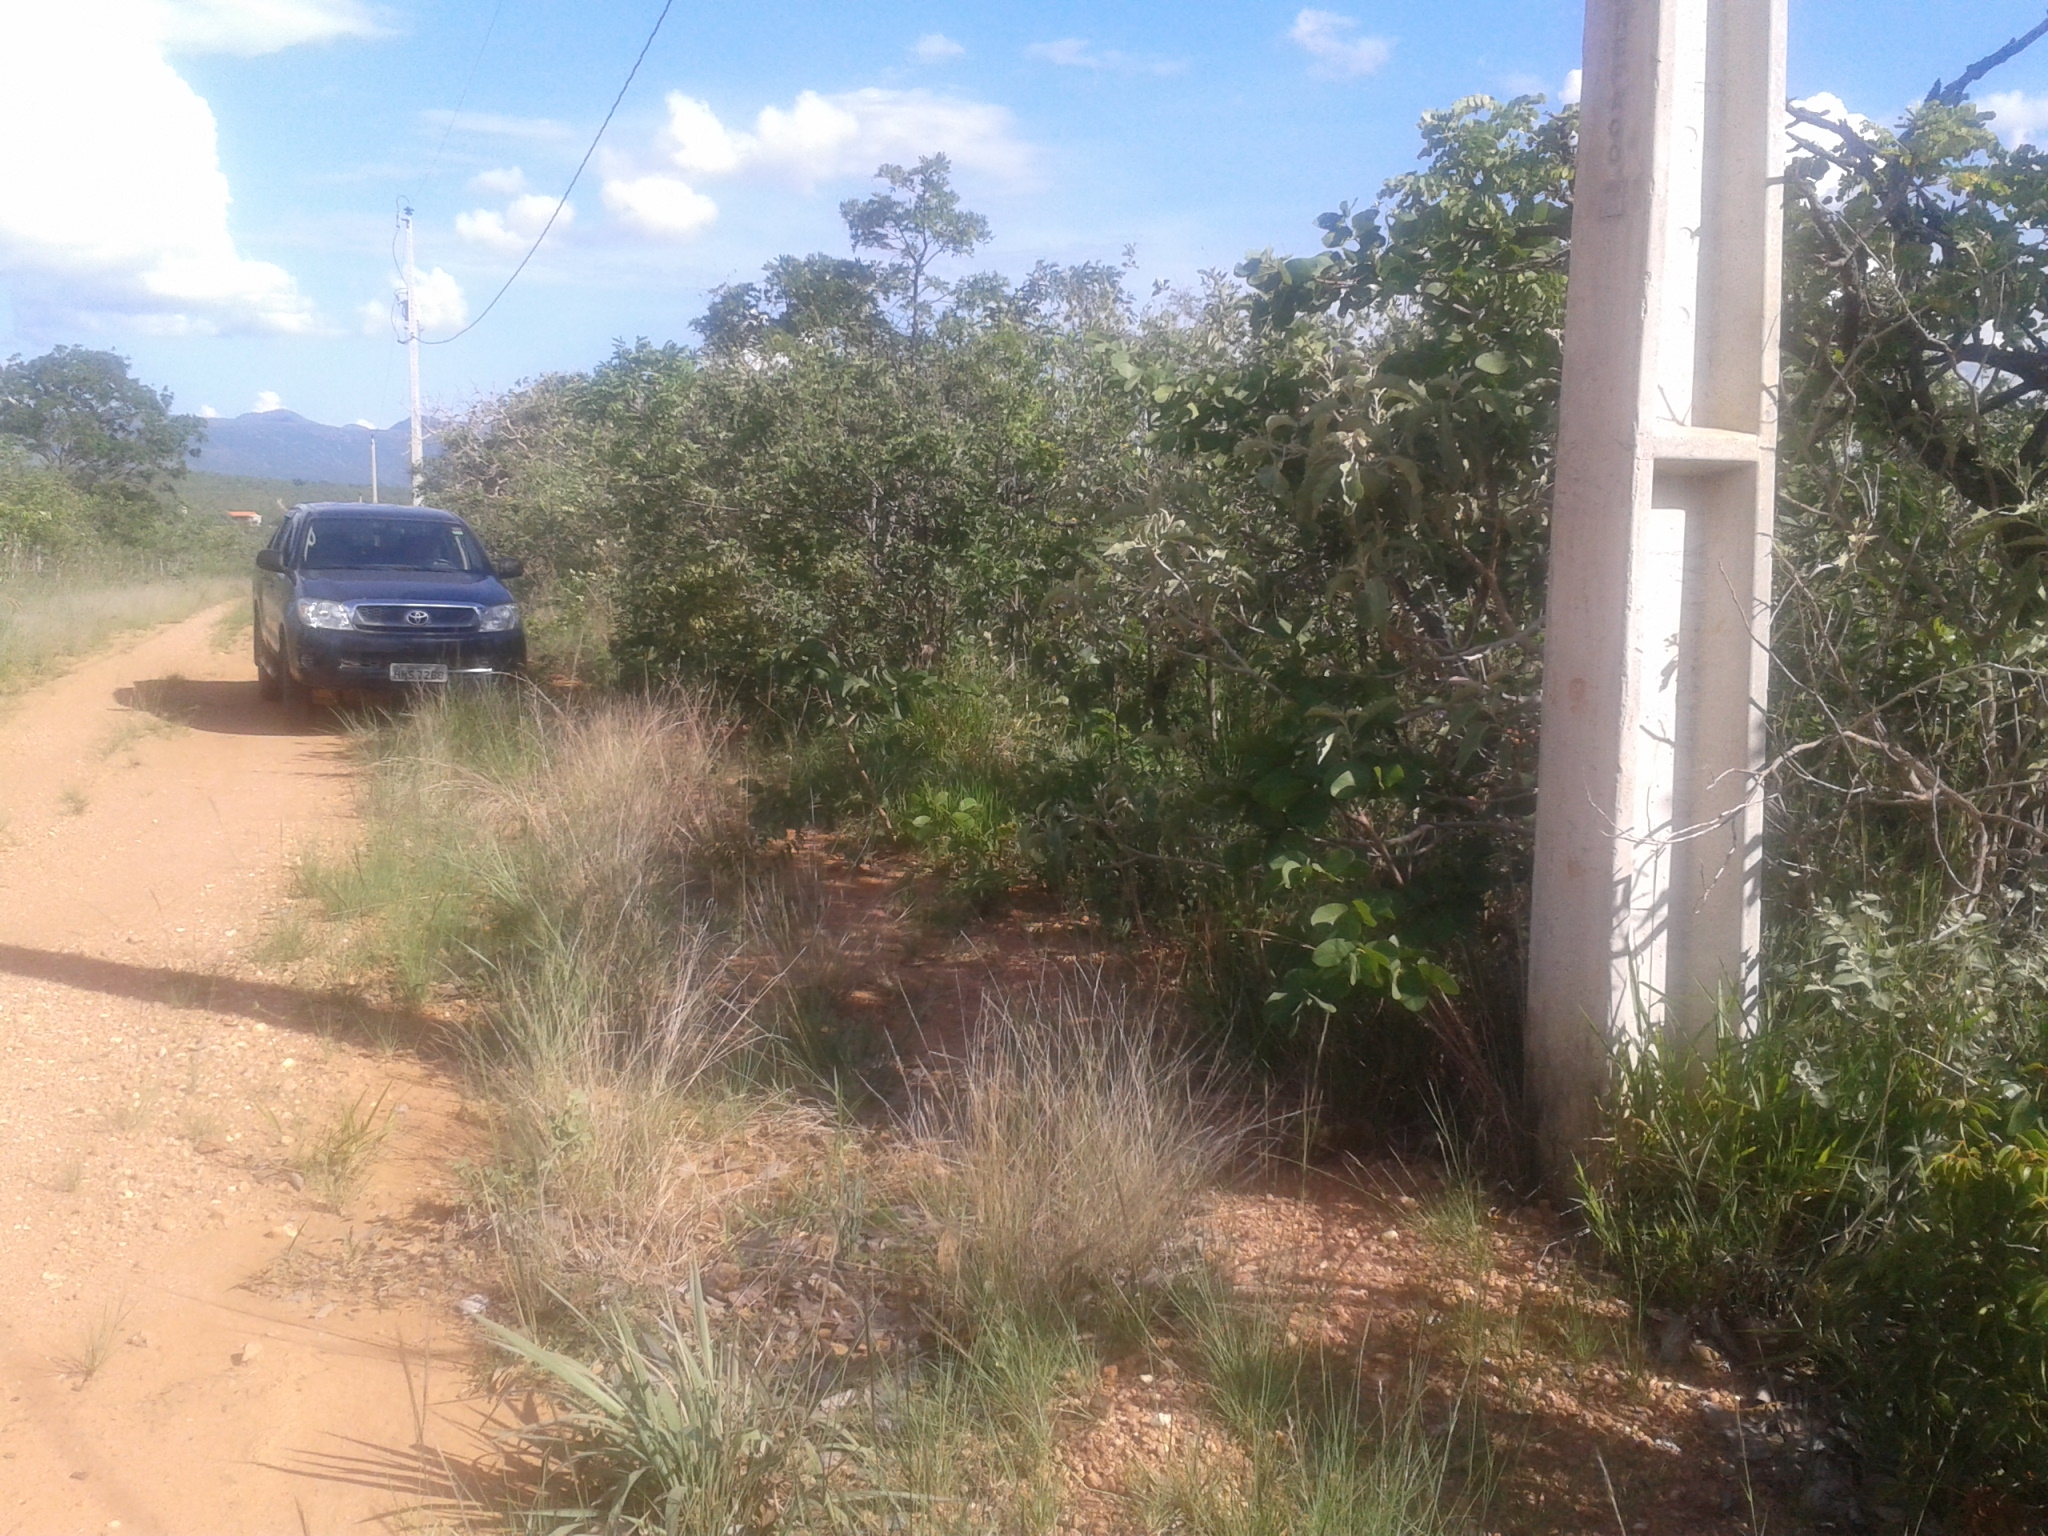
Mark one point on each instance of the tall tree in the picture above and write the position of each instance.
(81, 413)
(919, 219)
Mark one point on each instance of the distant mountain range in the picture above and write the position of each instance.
(283, 445)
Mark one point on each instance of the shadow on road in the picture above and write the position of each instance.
(326, 1013)
(229, 708)
(428, 1481)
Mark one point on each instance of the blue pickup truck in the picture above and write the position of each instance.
(354, 597)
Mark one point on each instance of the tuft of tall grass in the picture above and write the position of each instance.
(1073, 1139)
(335, 1159)
(95, 1343)
(668, 1434)
(506, 832)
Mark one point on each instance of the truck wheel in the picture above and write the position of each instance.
(295, 695)
(267, 682)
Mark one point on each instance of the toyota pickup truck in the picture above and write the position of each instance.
(359, 598)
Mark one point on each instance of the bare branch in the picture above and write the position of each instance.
(1952, 94)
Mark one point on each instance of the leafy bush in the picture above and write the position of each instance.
(1863, 1187)
(971, 839)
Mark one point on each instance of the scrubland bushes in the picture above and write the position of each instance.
(1220, 618)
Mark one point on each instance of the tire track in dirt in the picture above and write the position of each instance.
(157, 1083)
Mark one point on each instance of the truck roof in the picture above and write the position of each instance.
(378, 508)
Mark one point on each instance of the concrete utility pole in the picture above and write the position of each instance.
(412, 349)
(374, 497)
(1650, 809)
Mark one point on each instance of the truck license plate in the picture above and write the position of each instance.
(418, 672)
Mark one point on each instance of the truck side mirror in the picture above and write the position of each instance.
(269, 560)
(510, 570)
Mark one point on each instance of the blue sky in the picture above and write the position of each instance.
(208, 185)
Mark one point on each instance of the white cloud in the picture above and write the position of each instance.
(249, 27)
(1574, 88)
(512, 231)
(936, 47)
(496, 125)
(267, 400)
(113, 206)
(499, 183)
(208, 413)
(2021, 119)
(823, 138)
(361, 422)
(663, 206)
(441, 303)
(1333, 42)
(698, 142)
(1076, 53)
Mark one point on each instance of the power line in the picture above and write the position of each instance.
(563, 200)
(462, 100)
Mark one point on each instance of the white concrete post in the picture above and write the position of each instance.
(1649, 814)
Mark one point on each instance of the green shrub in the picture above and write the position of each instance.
(971, 839)
(1863, 1186)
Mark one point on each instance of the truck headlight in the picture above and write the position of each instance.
(317, 613)
(499, 617)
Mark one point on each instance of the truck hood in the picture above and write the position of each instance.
(403, 587)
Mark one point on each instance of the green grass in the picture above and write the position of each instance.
(670, 1433)
(48, 620)
(335, 1157)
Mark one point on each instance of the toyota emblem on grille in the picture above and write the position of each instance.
(417, 616)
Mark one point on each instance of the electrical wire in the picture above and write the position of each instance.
(563, 200)
(462, 100)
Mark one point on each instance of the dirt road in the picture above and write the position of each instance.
(173, 1356)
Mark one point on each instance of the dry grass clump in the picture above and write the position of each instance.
(94, 1344)
(559, 865)
(507, 832)
(895, 1328)
(615, 1128)
(1074, 1139)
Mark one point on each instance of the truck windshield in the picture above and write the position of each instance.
(389, 544)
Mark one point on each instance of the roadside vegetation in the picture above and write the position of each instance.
(1213, 620)
(760, 1302)
(93, 542)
